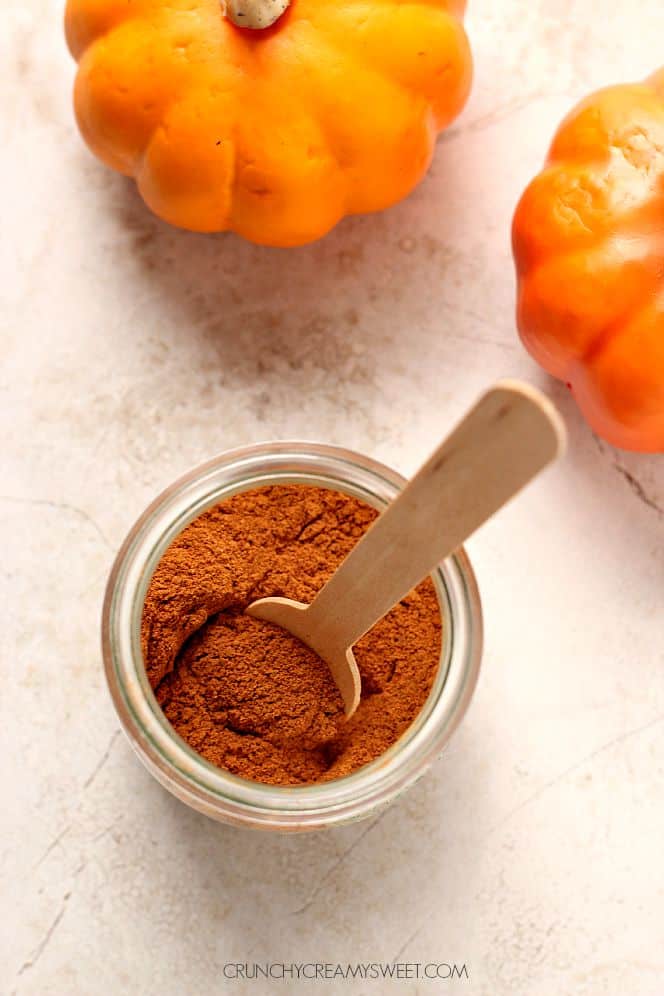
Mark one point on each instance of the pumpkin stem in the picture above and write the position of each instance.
(254, 14)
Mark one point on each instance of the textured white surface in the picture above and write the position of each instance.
(533, 851)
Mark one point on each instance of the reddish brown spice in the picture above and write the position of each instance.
(246, 694)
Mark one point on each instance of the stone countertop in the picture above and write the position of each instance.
(532, 852)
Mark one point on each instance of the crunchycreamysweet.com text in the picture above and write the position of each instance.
(342, 971)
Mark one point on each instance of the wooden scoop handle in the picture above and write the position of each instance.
(503, 442)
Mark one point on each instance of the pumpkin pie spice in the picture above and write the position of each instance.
(247, 695)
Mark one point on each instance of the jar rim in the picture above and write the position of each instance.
(211, 789)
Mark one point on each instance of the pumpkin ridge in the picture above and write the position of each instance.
(605, 335)
(247, 161)
(113, 17)
(333, 138)
(93, 63)
(363, 57)
(611, 330)
(145, 174)
(604, 338)
(265, 59)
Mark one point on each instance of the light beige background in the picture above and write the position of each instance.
(130, 351)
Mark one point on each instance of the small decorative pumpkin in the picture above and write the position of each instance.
(588, 242)
(271, 122)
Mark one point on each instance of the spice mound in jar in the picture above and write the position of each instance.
(246, 694)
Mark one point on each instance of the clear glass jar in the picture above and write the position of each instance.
(186, 774)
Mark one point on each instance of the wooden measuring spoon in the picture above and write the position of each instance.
(511, 434)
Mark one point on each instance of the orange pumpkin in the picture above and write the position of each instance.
(274, 133)
(588, 241)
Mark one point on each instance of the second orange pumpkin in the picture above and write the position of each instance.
(589, 250)
(274, 134)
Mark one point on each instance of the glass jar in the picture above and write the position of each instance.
(186, 774)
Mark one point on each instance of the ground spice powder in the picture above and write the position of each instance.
(244, 693)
